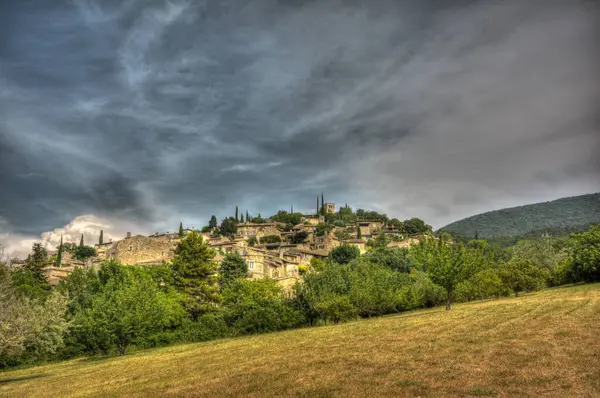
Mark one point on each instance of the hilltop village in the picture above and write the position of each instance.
(280, 247)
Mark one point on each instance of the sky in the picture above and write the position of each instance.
(135, 115)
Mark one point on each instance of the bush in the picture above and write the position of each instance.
(396, 259)
(31, 329)
(84, 252)
(206, 327)
(258, 306)
(522, 276)
(270, 239)
(345, 253)
(420, 292)
(584, 255)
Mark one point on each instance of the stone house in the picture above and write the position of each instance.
(361, 244)
(313, 219)
(369, 227)
(330, 208)
(247, 230)
(142, 250)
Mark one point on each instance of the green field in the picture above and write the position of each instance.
(541, 344)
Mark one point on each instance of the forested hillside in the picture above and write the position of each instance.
(566, 214)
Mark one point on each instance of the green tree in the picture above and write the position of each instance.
(299, 237)
(522, 276)
(358, 232)
(84, 252)
(30, 329)
(270, 239)
(236, 214)
(81, 241)
(181, 233)
(195, 274)
(416, 226)
(101, 239)
(258, 306)
(323, 229)
(59, 254)
(228, 227)
(213, 222)
(242, 218)
(345, 253)
(232, 267)
(125, 314)
(381, 240)
(36, 262)
(584, 255)
(397, 259)
(447, 265)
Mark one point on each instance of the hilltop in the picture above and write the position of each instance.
(539, 344)
(558, 217)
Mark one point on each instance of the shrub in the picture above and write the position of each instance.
(345, 253)
(206, 327)
(258, 306)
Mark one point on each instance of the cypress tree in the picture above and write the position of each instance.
(59, 254)
(81, 241)
(476, 235)
(181, 229)
(317, 205)
(242, 217)
(358, 233)
(236, 214)
(247, 218)
(100, 240)
(322, 204)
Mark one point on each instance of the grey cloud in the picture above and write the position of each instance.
(154, 111)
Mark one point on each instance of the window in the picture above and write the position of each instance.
(251, 264)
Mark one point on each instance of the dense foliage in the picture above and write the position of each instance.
(570, 212)
(195, 298)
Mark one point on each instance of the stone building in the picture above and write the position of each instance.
(329, 208)
(143, 250)
(361, 244)
(258, 230)
(313, 219)
(369, 227)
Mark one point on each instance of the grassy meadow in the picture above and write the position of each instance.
(541, 344)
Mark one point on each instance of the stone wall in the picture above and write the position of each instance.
(139, 249)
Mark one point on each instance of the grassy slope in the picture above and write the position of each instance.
(540, 344)
(570, 212)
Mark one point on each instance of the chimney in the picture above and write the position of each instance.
(129, 234)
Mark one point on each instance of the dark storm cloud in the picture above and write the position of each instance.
(159, 110)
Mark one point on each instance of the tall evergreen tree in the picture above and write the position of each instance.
(60, 249)
(213, 222)
(232, 267)
(318, 208)
(236, 214)
(81, 241)
(358, 232)
(181, 229)
(242, 218)
(36, 261)
(195, 274)
(476, 235)
(247, 217)
(100, 240)
(322, 205)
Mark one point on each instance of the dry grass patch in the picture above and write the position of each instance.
(542, 344)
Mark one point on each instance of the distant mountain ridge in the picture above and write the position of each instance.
(561, 214)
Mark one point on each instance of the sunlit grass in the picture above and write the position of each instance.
(542, 344)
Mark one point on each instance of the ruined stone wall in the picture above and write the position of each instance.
(144, 249)
(267, 231)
